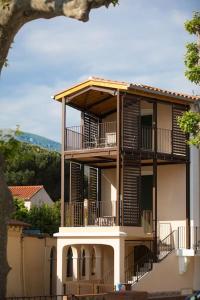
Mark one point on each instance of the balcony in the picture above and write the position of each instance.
(90, 213)
(80, 138)
(105, 136)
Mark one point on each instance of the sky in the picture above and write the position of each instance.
(138, 41)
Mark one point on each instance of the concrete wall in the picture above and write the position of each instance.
(29, 259)
(165, 277)
(172, 195)
(108, 191)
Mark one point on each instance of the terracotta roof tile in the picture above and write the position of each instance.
(25, 192)
(148, 88)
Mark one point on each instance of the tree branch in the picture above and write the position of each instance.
(19, 12)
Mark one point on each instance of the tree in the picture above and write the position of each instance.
(13, 15)
(32, 165)
(190, 121)
(46, 218)
(192, 57)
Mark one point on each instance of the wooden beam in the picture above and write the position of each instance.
(99, 102)
(63, 120)
(155, 181)
(108, 113)
(90, 88)
(118, 158)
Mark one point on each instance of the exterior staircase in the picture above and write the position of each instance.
(135, 271)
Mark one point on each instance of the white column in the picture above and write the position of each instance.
(98, 262)
(75, 251)
(59, 286)
(119, 256)
(87, 263)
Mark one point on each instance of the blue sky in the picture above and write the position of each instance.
(138, 41)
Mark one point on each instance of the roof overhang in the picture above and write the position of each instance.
(98, 96)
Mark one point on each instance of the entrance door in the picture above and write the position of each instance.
(146, 134)
(147, 202)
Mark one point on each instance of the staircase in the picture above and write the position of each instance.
(134, 271)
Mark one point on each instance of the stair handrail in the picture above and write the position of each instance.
(147, 258)
(170, 246)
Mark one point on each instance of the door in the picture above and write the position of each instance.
(146, 132)
(147, 202)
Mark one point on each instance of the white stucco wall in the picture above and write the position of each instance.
(108, 190)
(172, 195)
(41, 197)
(165, 277)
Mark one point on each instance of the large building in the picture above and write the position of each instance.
(128, 216)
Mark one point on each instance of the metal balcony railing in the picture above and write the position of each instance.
(183, 235)
(164, 139)
(90, 213)
(78, 138)
(105, 135)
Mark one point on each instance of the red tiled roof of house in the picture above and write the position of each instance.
(25, 192)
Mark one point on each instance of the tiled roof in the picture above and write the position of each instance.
(25, 192)
(149, 88)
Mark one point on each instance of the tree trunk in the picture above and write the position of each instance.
(18, 13)
(13, 15)
(6, 207)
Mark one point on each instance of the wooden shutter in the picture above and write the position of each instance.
(90, 129)
(92, 189)
(76, 182)
(130, 123)
(179, 145)
(131, 173)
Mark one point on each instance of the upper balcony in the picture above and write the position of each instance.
(80, 138)
(105, 136)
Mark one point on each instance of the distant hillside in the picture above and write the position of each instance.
(34, 139)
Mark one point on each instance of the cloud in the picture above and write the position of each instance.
(142, 42)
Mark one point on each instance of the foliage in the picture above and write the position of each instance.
(8, 146)
(192, 26)
(190, 123)
(46, 218)
(192, 57)
(31, 165)
(20, 211)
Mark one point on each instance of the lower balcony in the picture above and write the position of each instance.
(91, 213)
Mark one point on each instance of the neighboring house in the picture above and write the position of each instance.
(32, 259)
(132, 217)
(33, 195)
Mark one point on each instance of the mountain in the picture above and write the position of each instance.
(32, 139)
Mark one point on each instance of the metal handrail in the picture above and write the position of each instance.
(89, 213)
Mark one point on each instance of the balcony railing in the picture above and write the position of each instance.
(90, 213)
(183, 234)
(103, 136)
(164, 139)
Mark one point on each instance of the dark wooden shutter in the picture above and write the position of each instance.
(179, 145)
(76, 182)
(92, 189)
(131, 173)
(130, 123)
(90, 129)
(92, 196)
